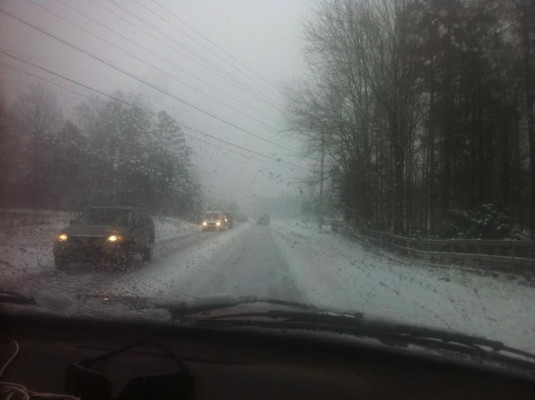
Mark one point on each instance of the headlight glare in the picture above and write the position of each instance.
(115, 238)
(62, 237)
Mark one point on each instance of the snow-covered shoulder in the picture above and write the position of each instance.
(333, 271)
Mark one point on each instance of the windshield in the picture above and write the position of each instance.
(213, 216)
(370, 156)
(104, 217)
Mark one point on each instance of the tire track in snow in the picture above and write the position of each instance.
(251, 265)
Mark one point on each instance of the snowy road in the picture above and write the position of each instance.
(288, 261)
(239, 262)
(251, 265)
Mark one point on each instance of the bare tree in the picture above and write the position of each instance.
(365, 97)
(418, 106)
(525, 18)
(37, 116)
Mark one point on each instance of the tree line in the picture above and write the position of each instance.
(424, 109)
(117, 153)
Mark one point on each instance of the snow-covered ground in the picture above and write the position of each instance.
(26, 238)
(336, 272)
(168, 228)
(288, 260)
(26, 241)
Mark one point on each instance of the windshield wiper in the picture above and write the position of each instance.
(386, 332)
(308, 317)
(185, 309)
(15, 298)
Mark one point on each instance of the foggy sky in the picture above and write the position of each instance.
(265, 36)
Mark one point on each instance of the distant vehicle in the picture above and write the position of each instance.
(213, 221)
(263, 220)
(112, 234)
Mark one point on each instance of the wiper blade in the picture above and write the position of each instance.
(354, 324)
(385, 332)
(15, 298)
(475, 342)
(185, 309)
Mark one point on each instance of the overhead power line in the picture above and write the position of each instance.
(147, 83)
(152, 65)
(205, 141)
(278, 160)
(213, 43)
(265, 156)
(249, 157)
(41, 78)
(232, 64)
(198, 55)
(172, 64)
(59, 76)
(175, 49)
(204, 61)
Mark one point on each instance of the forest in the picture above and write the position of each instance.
(422, 111)
(118, 152)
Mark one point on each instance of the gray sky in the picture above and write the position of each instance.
(225, 57)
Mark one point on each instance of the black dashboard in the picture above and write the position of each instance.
(233, 365)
